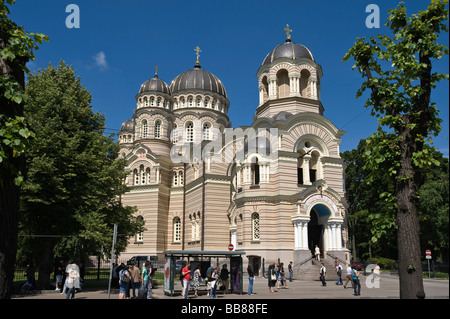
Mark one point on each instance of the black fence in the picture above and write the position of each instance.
(93, 270)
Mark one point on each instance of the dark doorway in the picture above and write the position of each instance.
(315, 233)
(255, 261)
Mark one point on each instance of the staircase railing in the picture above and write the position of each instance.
(341, 261)
(304, 261)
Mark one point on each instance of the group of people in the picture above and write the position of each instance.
(69, 278)
(277, 276)
(131, 278)
(216, 278)
(352, 276)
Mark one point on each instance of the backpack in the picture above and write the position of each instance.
(123, 277)
(209, 273)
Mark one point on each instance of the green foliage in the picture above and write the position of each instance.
(75, 178)
(14, 140)
(371, 211)
(397, 70)
(16, 49)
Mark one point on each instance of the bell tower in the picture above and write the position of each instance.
(289, 80)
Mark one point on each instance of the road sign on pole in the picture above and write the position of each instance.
(230, 247)
(428, 257)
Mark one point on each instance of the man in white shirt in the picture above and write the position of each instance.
(348, 276)
(323, 272)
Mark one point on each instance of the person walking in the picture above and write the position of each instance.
(73, 280)
(317, 253)
(323, 272)
(281, 277)
(186, 273)
(135, 275)
(356, 283)
(145, 279)
(348, 277)
(196, 280)
(291, 271)
(214, 280)
(124, 282)
(224, 276)
(339, 274)
(59, 272)
(272, 277)
(251, 278)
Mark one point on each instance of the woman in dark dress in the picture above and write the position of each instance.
(272, 277)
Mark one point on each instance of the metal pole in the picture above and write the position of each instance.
(112, 260)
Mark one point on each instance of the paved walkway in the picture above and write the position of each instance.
(388, 289)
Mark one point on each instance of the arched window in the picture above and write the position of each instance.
(265, 95)
(147, 173)
(207, 132)
(300, 170)
(152, 101)
(180, 178)
(197, 227)
(283, 83)
(313, 165)
(142, 173)
(189, 132)
(136, 177)
(145, 101)
(205, 102)
(175, 134)
(183, 102)
(175, 179)
(255, 227)
(158, 129)
(140, 236)
(255, 173)
(144, 129)
(176, 229)
(191, 101)
(158, 101)
(199, 101)
(304, 78)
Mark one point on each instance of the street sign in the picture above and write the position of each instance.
(230, 247)
(428, 252)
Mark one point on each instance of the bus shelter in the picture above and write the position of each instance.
(203, 259)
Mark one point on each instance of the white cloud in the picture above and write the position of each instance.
(100, 60)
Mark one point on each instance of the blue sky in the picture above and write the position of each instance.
(119, 43)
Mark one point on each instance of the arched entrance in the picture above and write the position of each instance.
(319, 215)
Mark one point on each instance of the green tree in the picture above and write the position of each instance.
(16, 49)
(371, 219)
(434, 210)
(398, 73)
(71, 198)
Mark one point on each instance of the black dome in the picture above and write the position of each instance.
(128, 126)
(289, 50)
(155, 85)
(197, 79)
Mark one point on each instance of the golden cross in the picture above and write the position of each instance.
(197, 50)
(288, 36)
(156, 71)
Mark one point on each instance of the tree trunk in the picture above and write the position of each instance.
(9, 212)
(409, 260)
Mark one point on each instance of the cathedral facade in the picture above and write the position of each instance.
(274, 189)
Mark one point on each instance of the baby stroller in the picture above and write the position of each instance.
(26, 287)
